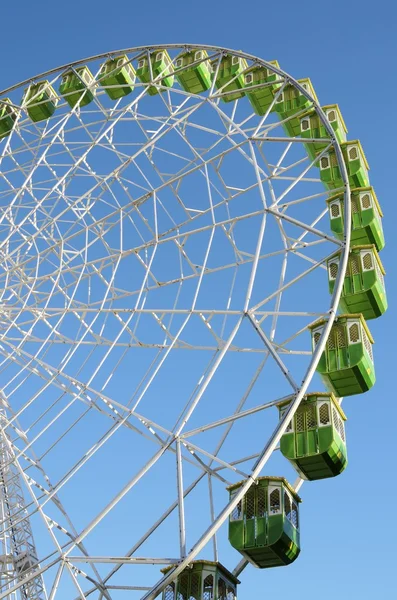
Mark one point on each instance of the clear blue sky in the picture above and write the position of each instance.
(347, 48)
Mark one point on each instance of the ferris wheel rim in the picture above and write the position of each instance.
(152, 47)
(334, 299)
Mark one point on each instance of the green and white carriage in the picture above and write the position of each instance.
(313, 128)
(117, 76)
(290, 104)
(156, 71)
(202, 580)
(346, 365)
(356, 165)
(364, 284)
(264, 527)
(193, 71)
(261, 98)
(315, 440)
(366, 217)
(40, 101)
(229, 77)
(78, 87)
(8, 115)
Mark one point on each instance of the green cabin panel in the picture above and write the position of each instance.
(366, 217)
(261, 98)
(264, 526)
(77, 87)
(314, 441)
(291, 125)
(346, 366)
(193, 71)
(364, 286)
(40, 101)
(8, 115)
(201, 580)
(229, 73)
(356, 166)
(117, 76)
(290, 101)
(312, 127)
(290, 105)
(160, 66)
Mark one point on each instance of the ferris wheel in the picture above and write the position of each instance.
(189, 250)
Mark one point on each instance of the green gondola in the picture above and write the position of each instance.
(229, 74)
(356, 166)
(202, 580)
(77, 87)
(346, 366)
(160, 66)
(193, 71)
(291, 102)
(264, 527)
(315, 441)
(364, 286)
(261, 98)
(117, 76)
(8, 115)
(40, 101)
(312, 127)
(366, 217)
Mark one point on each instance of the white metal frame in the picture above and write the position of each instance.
(27, 290)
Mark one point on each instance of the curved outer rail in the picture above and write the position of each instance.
(282, 425)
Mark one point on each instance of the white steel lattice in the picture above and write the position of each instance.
(19, 556)
(157, 253)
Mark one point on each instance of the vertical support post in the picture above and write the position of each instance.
(214, 539)
(20, 556)
(181, 507)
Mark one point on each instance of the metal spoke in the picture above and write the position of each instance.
(132, 231)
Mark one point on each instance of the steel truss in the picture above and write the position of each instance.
(129, 231)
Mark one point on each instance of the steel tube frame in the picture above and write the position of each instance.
(249, 312)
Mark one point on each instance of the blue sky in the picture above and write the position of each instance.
(349, 52)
